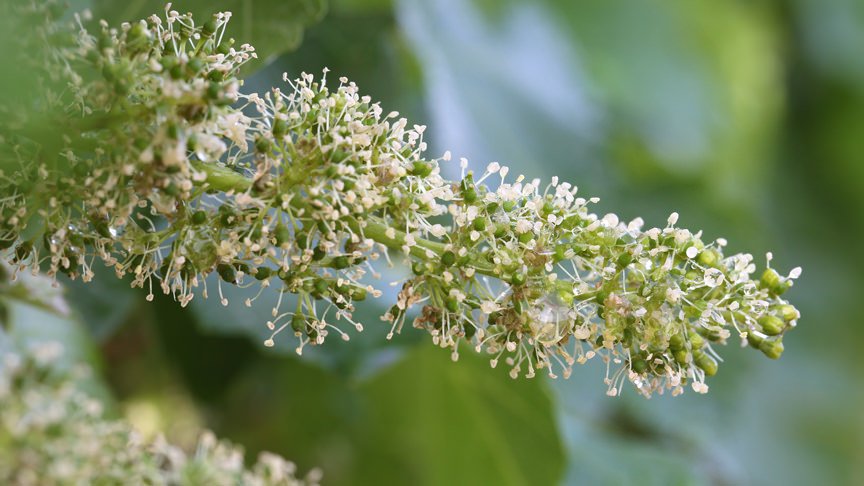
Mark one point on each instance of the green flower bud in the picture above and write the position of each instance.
(771, 325)
(227, 273)
(696, 340)
(298, 323)
(262, 145)
(209, 27)
(624, 259)
(705, 362)
(676, 341)
(518, 279)
(469, 195)
(500, 230)
(321, 286)
(199, 217)
(282, 235)
(214, 90)
(280, 128)
(451, 304)
(419, 268)
(479, 224)
(788, 312)
(772, 281)
(263, 273)
(341, 262)
(639, 365)
(469, 330)
(318, 254)
(448, 258)
(771, 348)
(194, 65)
(682, 356)
(421, 168)
(708, 258)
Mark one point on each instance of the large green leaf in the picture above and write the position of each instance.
(272, 26)
(424, 420)
(463, 423)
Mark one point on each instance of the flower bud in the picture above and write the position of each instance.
(199, 217)
(771, 325)
(705, 362)
(263, 273)
(788, 312)
(341, 262)
(772, 281)
(448, 258)
(771, 348)
(227, 273)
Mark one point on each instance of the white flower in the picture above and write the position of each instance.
(489, 306)
(713, 277)
(692, 252)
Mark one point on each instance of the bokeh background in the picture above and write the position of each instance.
(746, 117)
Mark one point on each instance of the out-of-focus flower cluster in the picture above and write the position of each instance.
(53, 433)
(169, 172)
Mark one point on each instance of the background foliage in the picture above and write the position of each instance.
(745, 117)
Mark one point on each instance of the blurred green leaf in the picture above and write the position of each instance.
(272, 26)
(104, 303)
(462, 422)
(665, 91)
(34, 314)
(424, 421)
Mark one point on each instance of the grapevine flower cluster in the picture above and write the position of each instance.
(168, 171)
(53, 433)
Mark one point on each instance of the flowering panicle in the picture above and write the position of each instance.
(52, 433)
(171, 172)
